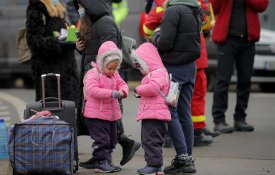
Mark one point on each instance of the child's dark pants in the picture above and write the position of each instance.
(152, 137)
(104, 134)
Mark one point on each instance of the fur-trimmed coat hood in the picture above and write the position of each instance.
(152, 105)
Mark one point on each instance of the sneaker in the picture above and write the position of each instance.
(149, 170)
(103, 166)
(207, 131)
(243, 126)
(116, 168)
(202, 140)
(181, 164)
(223, 127)
(89, 164)
(129, 148)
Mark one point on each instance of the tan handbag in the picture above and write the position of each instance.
(23, 50)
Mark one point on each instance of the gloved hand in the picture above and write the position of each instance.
(116, 94)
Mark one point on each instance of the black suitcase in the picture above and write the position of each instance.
(64, 109)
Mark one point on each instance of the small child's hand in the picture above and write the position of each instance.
(116, 94)
(136, 94)
(121, 94)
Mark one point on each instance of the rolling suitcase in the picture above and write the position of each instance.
(64, 109)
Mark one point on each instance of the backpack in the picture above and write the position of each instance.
(23, 50)
(128, 44)
(173, 92)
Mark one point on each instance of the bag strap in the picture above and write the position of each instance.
(97, 73)
(170, 76)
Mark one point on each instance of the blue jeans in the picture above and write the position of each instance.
(181, 127)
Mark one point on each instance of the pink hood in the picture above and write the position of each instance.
(152, 105)
(108, 52)
(148, 58)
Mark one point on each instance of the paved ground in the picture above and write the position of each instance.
(230, 154)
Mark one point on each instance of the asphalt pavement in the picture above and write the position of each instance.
(239, 153)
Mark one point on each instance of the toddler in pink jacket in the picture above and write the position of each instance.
(103, 86)
(152, 110)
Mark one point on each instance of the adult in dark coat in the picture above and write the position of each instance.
(179, 44)
(97, 27)
(48, 54)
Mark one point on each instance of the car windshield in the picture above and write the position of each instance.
(268, 17)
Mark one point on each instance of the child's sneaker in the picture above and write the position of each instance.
(103, 167)
(149, 170)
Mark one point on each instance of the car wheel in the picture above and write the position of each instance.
(267, 87)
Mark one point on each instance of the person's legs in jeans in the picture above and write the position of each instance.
(185, 118)
(182, 139)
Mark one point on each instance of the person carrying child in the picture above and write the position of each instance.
(153, 110)
(103, 86)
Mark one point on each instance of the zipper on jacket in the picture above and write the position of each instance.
(100, 105)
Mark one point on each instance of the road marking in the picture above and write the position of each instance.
(3, 113)
(263, 95)
(2, 108)
(17, 102)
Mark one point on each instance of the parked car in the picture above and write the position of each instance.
(264, 65)
(13, 16)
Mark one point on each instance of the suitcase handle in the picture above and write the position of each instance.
(43, 76)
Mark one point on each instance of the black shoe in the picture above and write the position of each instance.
(129, 148)
(207, 131)
(243, 126)
(202, 140)
(183, 164)
(223, 128)
(167, 142)
(89, 164)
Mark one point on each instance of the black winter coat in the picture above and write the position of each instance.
(179, 38)
(103, 28)
(48, 55)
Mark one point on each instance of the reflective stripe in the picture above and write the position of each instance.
(200, 118)
(147, 31)
(159, 9)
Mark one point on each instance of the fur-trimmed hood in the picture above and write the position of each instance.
(146, 58)
(107, 52)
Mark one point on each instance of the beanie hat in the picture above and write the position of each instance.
(108, 52)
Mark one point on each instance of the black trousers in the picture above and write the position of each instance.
(104, 134)
(240, 53)
(152, 138)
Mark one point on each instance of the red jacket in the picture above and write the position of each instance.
(202, 62)
(153, 18)
(222, 10)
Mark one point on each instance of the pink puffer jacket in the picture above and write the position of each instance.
(98, 88)
(152, 105)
